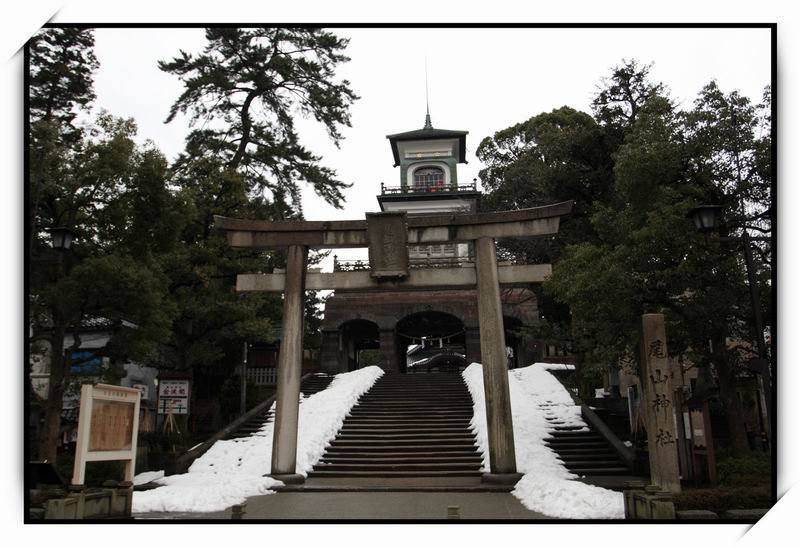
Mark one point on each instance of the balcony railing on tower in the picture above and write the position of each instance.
(420, 262)
(426, 188)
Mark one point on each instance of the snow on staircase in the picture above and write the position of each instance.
(311, 385)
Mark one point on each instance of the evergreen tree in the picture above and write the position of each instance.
(246, 161)
(97, 188)
(634, 174)
(245, 89)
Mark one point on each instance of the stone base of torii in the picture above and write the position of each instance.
(388, 235)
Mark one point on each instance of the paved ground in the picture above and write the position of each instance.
(372, 505)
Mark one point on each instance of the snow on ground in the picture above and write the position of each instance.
(232, 470)
(147, 477)
(547, 486)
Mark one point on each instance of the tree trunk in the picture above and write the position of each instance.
(730, 400)
(51, 430)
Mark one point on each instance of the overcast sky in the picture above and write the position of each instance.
(480, 80)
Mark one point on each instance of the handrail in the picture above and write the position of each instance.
(183, 462)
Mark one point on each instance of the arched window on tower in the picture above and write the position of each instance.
(430, 178)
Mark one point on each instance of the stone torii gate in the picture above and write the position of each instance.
(388, 235)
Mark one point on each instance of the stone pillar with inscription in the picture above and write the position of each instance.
(657, 404)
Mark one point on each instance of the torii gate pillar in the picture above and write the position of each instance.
(290, 363)
(502, 458)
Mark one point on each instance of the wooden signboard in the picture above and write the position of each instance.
(107, 427)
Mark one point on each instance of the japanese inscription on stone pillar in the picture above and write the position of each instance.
(657, 405)
(388, 240)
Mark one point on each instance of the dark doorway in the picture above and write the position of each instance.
(359, 343)
(430, 342)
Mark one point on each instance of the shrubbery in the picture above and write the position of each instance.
(752, 469)
(719, 499)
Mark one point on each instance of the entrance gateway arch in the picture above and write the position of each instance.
(388, 235)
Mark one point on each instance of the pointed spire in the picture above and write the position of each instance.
(427, 103)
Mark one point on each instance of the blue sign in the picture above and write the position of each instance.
(85, 363)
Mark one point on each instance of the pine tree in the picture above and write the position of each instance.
(245, 89)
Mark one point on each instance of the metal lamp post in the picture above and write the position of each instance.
(61, 241)
(706, 219)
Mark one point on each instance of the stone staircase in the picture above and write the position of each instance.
(585, 452)
(588, 453)
(312, 385)
(406, 428)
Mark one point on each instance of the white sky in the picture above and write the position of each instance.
(480, 80)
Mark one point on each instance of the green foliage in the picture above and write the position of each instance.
(555, 156)
(621, 96)
(230, 397)
(96, 472)
(720, 499)
(112, 270)
(754, 468)
(62, 63)
(634, 171)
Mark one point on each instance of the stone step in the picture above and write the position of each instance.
(390, 467)
(416, 402)
(612, 463)
(579, 449)
(411, 410)
(417, 391)
(461, 402)
(395, 474)
(402, 457)
(577, 436)
(368, 449)
(423, 436)
(382, 413)
(435, 442)
(589, 455)
(593, 471)
(438, 389)
(414, 422)
(553, 444)
(354, 430)
(395, 425)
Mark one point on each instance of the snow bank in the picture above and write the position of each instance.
(147, 477)
(232, 470)
(547, 486)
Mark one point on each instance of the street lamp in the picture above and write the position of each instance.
(706, 219)
(62, 237)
